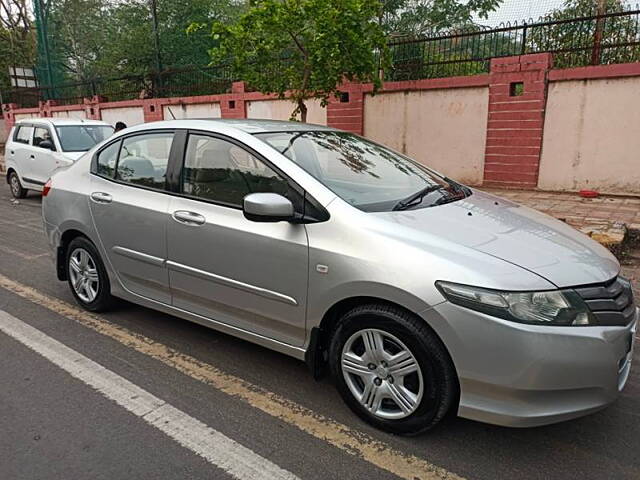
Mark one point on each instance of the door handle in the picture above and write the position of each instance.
(12, 152)
(101, 197)
(32, 156)
(188, 218)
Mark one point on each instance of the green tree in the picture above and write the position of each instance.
(304, 48)
(17, 38)
(78, 32)
(420, 17)
(619, 34)
(98, 38)
(451, 56)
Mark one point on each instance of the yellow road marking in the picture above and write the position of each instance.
(337, 434)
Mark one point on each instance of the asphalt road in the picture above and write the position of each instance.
(73, 388)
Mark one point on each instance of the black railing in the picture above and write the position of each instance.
(596, 39)
(169, 83)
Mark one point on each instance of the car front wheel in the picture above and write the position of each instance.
(392, 369)
(17, 190)
(87, 276)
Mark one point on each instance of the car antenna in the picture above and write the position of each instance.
(171, 112)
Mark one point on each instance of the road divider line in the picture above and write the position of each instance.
(216, 448)
(354, 442)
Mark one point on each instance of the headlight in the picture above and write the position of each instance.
(555, 307)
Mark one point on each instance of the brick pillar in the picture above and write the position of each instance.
(92, 107)
(517, 102)
(45, 108)
(234, 104)
(152, 109)
(9, 116)
(346, 110)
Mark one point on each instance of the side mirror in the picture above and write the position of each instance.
(267, 207)
(48, 144)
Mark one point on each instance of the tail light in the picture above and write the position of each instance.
(46, 188)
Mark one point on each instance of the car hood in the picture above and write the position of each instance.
(72, 155)
(515, 234)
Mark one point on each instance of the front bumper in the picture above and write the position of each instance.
(521, 375)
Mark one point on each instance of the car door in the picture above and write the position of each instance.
(43, 161)
(19, 150)
(129, 204)
(222, 266)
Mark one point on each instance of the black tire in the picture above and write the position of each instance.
(103, 299)
(17, 190)
(441, 388)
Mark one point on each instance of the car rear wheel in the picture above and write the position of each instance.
(17, 190)
(87, 276)
(392, 369)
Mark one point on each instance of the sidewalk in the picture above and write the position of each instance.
(606, 219)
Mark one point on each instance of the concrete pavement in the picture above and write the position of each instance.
(607, 219)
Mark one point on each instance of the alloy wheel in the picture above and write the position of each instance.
(84, 275)
(382, 374)
(15, 185)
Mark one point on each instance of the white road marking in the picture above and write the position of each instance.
(349, 440)
(216, 448)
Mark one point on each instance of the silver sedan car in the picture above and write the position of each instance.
(419, 295)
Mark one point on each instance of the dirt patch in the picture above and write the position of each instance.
(629, 257)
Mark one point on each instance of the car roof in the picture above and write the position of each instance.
(57, 121)
(244, 125)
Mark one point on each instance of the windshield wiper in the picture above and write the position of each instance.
(293, 139)
(416, 198)
(458, 188)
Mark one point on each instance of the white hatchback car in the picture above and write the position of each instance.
(37, 146)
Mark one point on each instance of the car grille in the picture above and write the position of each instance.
(611, 303)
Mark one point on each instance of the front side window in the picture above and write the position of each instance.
(220, 171)
(367, 175)
(23, 134)
(80, 138)
(40, 134)
(144, 159)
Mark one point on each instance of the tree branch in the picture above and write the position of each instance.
(298, 44)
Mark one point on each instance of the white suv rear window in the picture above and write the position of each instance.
(23, 134)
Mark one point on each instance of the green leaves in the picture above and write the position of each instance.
(415, 17)
(303, 47)
(574, 41)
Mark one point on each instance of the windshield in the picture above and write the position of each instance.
(367, 175)
(80, 138)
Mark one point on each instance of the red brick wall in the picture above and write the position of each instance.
(346, 111)
(517, 102)
(234, 105)
(515, 123)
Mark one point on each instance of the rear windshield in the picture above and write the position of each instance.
(80, 138)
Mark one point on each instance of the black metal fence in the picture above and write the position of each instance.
(169, 83)
(576, 42)
(597, 39)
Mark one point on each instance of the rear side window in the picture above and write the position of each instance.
(220, 171)
(144, 159)
(23, 134)
(107, 160)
